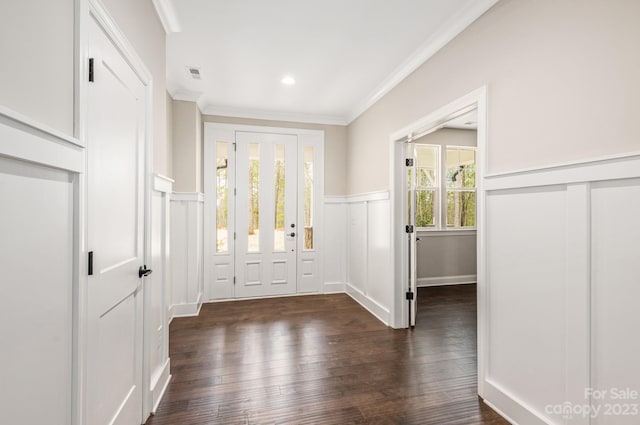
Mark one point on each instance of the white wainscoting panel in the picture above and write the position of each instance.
(335, 237)
(157, 293)
(39, 242)
(369, 258)
(615, 289)
(357, 246)
(187, 253)
(562, 292)
(527, 251)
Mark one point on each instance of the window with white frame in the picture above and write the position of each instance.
(445, 196)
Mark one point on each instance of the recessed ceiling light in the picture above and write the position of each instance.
(288, 80)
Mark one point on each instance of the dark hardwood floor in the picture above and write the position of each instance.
(323, 359)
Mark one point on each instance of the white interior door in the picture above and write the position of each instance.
(265, 214)
(411, 232)
(116, 134)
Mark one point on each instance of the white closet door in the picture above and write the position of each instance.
(265, 215)
(115, 220)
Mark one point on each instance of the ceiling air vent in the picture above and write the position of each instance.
(194, 72)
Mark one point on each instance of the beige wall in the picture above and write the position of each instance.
(335, 148)
(36, 60)
(187, 147)
(169, 133)
(562, 81)
(138, 21)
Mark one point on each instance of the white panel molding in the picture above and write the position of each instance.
(186, 309)
(162, 183)
(259, 114)
(577, 181)
(25, 139)
(168, 16)
(40, 186)
(611, 167)
(447, 280)
(373, 307)
(187, 196)
(333, 287)
(335, 239)
(158, 379)
(159, 385)
(186, 253)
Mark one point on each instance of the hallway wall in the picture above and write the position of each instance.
(562, 86)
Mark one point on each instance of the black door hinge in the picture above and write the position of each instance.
(90, 264)
(91, 70)
(408, 162)
(408, 228)
(409, 296)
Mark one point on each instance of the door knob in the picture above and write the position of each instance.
(292, 234)
(143, 271)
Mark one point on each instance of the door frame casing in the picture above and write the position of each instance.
(226, 132)
(84, 11)
(399, 314)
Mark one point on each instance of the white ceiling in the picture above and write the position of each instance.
(344, 54)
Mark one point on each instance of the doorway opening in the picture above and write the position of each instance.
(263, 211)
(437, 196)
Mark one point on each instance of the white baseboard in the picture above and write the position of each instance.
(370, 305)
(447, 280)
(187, 309)
(160, 386)
(333, 288)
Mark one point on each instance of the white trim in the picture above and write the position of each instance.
(41, 128)
(499, 412)
(162, 183)
(510, 406)
(361, 197)
(185, 310)
(590, 170)
(399, 309)
(373, 307)
(186, 95)
(333, 288)
(447, 280)
(167, 15)
(448, 31)
(262, 129)
(108, 24)
(27, 143)
(187, 196)
(160, 386)
(259, 114)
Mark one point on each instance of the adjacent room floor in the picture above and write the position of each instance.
(323, 359)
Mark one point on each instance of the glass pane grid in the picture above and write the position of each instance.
(222, 197)
(253, 232)
(307, 166)
(279, 191)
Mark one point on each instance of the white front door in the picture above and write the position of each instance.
(265, 222)
(264, 189)
(115, 194)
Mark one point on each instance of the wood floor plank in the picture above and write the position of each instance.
(323, 359)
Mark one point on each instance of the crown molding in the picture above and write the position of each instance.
(448, 31)
(259, 114)
(186, 95)
(167, 14)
